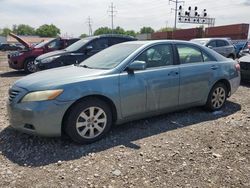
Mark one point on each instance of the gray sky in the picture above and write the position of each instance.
(71, 15)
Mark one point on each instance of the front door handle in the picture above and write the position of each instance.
(173, 73)
(214, 67)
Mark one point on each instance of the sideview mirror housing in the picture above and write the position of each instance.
(89, 48)
(246, 51)
(137, 65)
(211, 47)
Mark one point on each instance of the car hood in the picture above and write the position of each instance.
(50, 54)
(23, 42)
(54, 78)
(245, 59)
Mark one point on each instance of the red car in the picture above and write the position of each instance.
(24, 59)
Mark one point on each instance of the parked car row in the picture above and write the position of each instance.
(221, 45)
(79, 51)
(10, 47)
(127, 81)
(24, 59)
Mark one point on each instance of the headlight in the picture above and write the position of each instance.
(48, 59)
(15, 54)
(42, 95)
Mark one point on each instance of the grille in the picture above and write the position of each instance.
(245, 65)
(13, 94)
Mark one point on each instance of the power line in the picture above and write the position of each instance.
(177, 2)
(112, 12)
(89, 22)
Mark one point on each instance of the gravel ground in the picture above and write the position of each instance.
(190, 148)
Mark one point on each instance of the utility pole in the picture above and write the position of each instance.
(89, 22)
(112, 15)
(176, 2)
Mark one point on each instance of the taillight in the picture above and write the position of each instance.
(237, 66)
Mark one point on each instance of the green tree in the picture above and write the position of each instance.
(119, 30)
(23, 29)
(48, 31)
(5, 31)
(130, 33)
(83, 35)
(145, 30)
(103, 30)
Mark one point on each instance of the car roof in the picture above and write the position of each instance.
(148, 42)
(216, 38)
(112, 36)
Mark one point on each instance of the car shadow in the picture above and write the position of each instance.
(13, 74)
(27, 150)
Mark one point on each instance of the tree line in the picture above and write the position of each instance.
(23, 29)
(53, 31)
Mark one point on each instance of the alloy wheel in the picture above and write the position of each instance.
(91, 122)
(31, 66)
(218, 97)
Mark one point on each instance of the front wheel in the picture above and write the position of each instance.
(88, 121)
(217, 97)
(29, 65)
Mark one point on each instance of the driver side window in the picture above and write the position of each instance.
(54, 45)
(157, 56)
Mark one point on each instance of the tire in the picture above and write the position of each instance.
(82, 127)
(217, 97)
(29, 66)
(231, 56)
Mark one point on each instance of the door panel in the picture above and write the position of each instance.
(163, 88)
(149, 90)
(195, 80)
(132, 93)
(195, 74)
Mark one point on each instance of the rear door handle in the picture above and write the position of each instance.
(214, 67)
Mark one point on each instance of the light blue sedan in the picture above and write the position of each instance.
(125, 82)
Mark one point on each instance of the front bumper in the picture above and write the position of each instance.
(42, 118)
(14, 64)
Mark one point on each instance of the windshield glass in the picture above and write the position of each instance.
(202, 42)
(110, 57)
(41, 44)
(77, 45)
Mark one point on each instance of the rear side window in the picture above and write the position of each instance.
(189, 54)
(212, 44)
(117, 40)
(221, 43)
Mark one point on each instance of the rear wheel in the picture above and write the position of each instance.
(217, 97)
(29, 65)
(88, 121)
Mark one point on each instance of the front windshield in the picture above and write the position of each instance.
(202, 42)
(41, 44)
(77, 45)
(110, 57)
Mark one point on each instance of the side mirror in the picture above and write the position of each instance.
(89, 48)
(137, 65)
(247, 51)
(211, 47)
